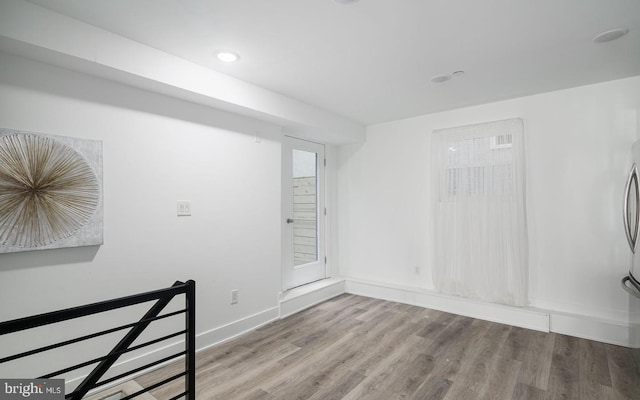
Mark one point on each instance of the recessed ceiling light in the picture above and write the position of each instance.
(227, 56)
(440, 78)
(458, 74)
(345, 1)
(610, 35)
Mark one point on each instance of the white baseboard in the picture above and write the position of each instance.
(622, 333)
(522, 317)
(602, 330)
(298, 299)
(229, 331)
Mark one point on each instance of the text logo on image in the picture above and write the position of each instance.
(33, 389)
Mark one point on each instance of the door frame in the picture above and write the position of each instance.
(291, 276)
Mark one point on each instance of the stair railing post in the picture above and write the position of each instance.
(190, 359)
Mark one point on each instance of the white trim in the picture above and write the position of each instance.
(603, 330)
(298, 299)
(234, 329)
(516, 316)
(622, 333)
(600, 313)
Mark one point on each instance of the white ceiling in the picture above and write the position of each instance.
(371, 61)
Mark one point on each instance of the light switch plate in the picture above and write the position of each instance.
(184, 208)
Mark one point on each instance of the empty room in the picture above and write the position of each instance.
(319, 199)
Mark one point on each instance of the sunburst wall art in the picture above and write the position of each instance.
(50, 191)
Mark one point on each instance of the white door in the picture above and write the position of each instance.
(303, 212)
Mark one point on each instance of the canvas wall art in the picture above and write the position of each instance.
(50, 191)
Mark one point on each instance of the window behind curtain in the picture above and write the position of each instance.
(480, 240)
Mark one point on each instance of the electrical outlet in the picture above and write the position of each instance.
(234, 296)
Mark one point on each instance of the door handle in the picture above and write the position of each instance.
(289, 220)
(631, 236)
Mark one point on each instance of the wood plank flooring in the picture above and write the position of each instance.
(354, 347)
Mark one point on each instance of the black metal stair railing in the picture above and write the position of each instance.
(92, 380)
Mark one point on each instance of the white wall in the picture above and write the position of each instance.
(157, 150)
(578, 154)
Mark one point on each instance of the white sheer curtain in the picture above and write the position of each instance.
(480, 235)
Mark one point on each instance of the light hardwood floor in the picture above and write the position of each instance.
(354, 347)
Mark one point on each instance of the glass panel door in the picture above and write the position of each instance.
(303, 212)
